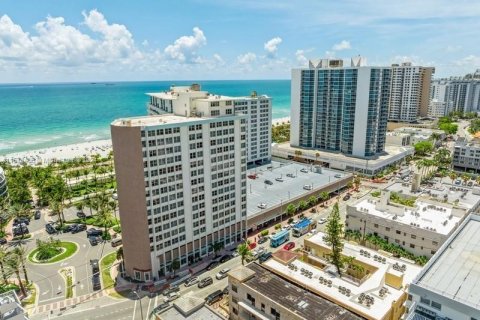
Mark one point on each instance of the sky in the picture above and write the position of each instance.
(70, 41)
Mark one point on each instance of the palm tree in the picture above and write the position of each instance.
(3, 255)
(317, 155)
(298, 154)
(175, 266)
(79, 206)
(88, 203)
(113, 205)
(452, 175)
(18, 210)
(356, 182)
(243, 250)
(22, 254)
(104, 217)
(215, 247)
(465, 178)
(13, 262)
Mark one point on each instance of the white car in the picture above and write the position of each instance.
(322, 220)
(262, 205)
(307, 187)
(222, 274)
(171, 296)
(304, 170)
(312, 232)
(279, 179)
(338, 175)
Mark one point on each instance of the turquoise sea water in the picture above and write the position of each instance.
(45, 115)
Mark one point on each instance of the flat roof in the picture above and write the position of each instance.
(464, 195)
(424, 215)
(154, 120)
(271, 195)
(298, 300)
(454, 271)
(371, 286)
(203, 313)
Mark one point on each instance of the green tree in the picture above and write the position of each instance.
(312, 200)
(244, 252)
(303, 205)
(3, 256)
(13, 263)
(357, 181)
(174, 266)
(291, 209)
(22, 255)
(324, 195)
(423, 148)
(216, 247)
(298, 154)
(452, 175)
(333, 237)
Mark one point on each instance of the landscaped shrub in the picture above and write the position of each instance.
(48, 249)
(264, 233)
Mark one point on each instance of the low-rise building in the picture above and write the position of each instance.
(421, 134)
(372, 286)
(398, 139)
(447, 287)
(393, 155)
(257, 292)
(11, 307)
(420, 230)
(466, 156)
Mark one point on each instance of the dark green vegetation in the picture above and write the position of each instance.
(281, 133)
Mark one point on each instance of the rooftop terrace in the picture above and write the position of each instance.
(425, 215)
(454, 271)
(258, 192)
(377, 285)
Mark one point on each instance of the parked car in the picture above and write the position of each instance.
(96, 282)
(160, 307)
(279, 179)
(264, 257)
(94, 232)
(21, 220)
(252, 245)
(172, 296)
(3, 241)
(322, 220)
(94, 240)
(252, 176)
(205, 282)
(307, 187)
(50, 228)
(262, 205)
(171, 289)
(19, 230)
(225, 258)
(78, 227)
(212, 265)
(81, 215)
(37, 214)
(287, 227)
(222, 274)
(95, 265)
(268, 182)
(338, 175)
(262, 240)
(191, 281)
(289, 246)
(214, 297)
(347, 196)
(69, 227)
(304, 170)
(290, 175)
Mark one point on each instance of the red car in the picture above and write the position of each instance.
(252, 245)
(289, 246)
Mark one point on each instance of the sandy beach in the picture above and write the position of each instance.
(85, 149)
(45, 156)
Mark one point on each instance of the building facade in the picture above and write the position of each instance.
(3, 183)
(420, 230)
(447, 286)
(466, 156)
(190, 101)
(340, 109)
(181, 187)
(410, 92)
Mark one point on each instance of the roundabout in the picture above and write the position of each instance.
(66, 249)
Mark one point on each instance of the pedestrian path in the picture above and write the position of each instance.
(63, 304)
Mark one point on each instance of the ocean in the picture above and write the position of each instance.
(36, 116)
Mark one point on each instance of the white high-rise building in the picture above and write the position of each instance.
(190, 101)
(410, 92)
(181, 185)
(340, 109)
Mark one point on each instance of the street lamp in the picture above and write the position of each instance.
(141, 309)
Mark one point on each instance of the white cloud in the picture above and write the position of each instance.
(218, 59)
(184, 49)
(342, 45)
(246, 58)
(271, 46)
(300, 56)
(471, 61)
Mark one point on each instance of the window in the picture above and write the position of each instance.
(398, 231)
(424, 300)
(234, 288)
(137, 275)
(375, 225)
(414, 236)
(436, 305)
(262, 307)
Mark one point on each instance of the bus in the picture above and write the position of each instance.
(279, 238)
(303, 227)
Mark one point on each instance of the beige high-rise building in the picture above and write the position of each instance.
(410, 92)
(181, 187)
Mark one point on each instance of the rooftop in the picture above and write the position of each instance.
(195, 91)
(374, 284)
(203, 313)
(434, 217)
(464, 197)
(271, 195)
(454, 271)
(298, 300)
(157, 120)
(10, 307)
